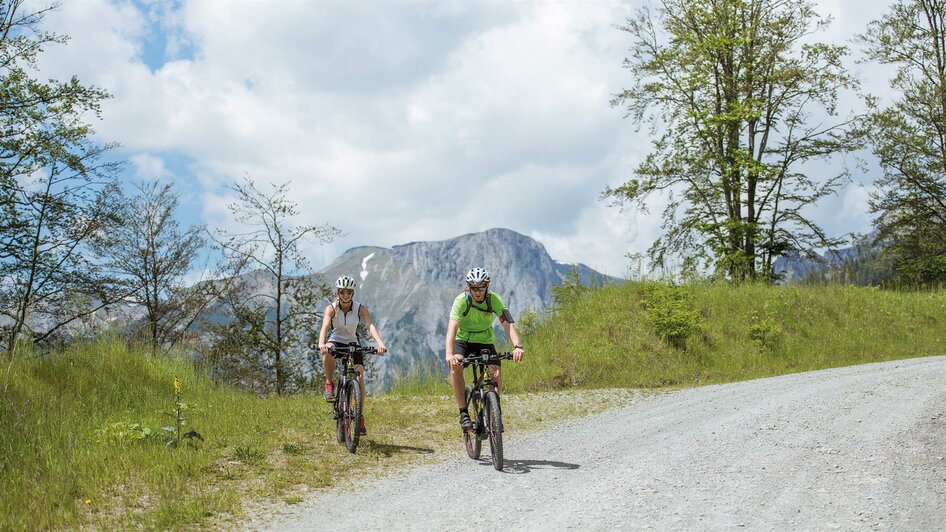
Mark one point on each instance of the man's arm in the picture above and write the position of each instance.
(452, 358)
(513, 335)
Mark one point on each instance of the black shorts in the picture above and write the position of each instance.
(357, 358)
(472, 348)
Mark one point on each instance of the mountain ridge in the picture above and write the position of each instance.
(410, 287)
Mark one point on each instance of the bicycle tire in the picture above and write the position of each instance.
(473, 444)
(494, 424)
(353, 415)
(339, 414)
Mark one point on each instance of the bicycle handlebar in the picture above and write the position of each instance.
(485, 358)
(352, 349)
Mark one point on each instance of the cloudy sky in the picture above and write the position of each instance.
(395, 121)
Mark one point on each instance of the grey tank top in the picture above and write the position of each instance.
(344, 324)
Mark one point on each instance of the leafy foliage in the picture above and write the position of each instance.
(57, 190)
(670, 311)
(764, 330)
(270, 305)
(153, 254)
(527, 322)
(732, 85)
(124, 432)
(909, 140)
(570, 291)
(179, 412)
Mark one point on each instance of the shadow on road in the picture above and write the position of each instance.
(389, 449)
(519, 467)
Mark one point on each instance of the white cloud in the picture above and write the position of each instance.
(148, 167)
(395, 121)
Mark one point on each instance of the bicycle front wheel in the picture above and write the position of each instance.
(352, 415)
(494, 428)
(338, 408)
(473, 443)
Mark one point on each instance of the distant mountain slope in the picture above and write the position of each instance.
(862, 263)
(409, 289)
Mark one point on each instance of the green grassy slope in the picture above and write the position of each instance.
(69, 457)
(59, 468)
(605, 340)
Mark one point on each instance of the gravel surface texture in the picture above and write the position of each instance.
(855, 448)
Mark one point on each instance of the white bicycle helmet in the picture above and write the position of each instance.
(345, 282)
(477, 276)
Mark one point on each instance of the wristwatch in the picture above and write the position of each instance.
(517, 347)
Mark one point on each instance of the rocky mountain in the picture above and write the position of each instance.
(795, 268)
(409, 289)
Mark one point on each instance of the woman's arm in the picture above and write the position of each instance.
(326, 320)
(372, 330)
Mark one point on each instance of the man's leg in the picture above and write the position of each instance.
(459, 385)
(459, 393)
(495, 372)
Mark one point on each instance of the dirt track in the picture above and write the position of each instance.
(862, 447)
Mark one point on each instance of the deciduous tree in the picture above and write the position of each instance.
(909, 139)
(58, 189)
(272, 308)
(153, 254)
(740, 99)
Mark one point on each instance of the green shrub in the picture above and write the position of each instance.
(765, 332)
(669, 310)
(527, 322)
(570, 291)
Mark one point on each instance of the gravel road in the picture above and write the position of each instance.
(858, 448)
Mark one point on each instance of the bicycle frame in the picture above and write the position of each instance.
(347, 407)
(346, 374)
(482, 398)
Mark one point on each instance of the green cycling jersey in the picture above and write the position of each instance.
(476, 325)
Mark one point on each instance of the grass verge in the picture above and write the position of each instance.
(82, 442)
(609, 339)
(81, 439)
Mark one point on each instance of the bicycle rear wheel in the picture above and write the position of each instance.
(494, 424)
(352, 415)
(473, 443)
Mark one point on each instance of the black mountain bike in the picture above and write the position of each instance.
(348, 400)
(482, 402)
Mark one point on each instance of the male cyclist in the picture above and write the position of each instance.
(470, 330)
(343, 316)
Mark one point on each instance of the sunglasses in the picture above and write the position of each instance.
(346, 291)
(478, 289)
